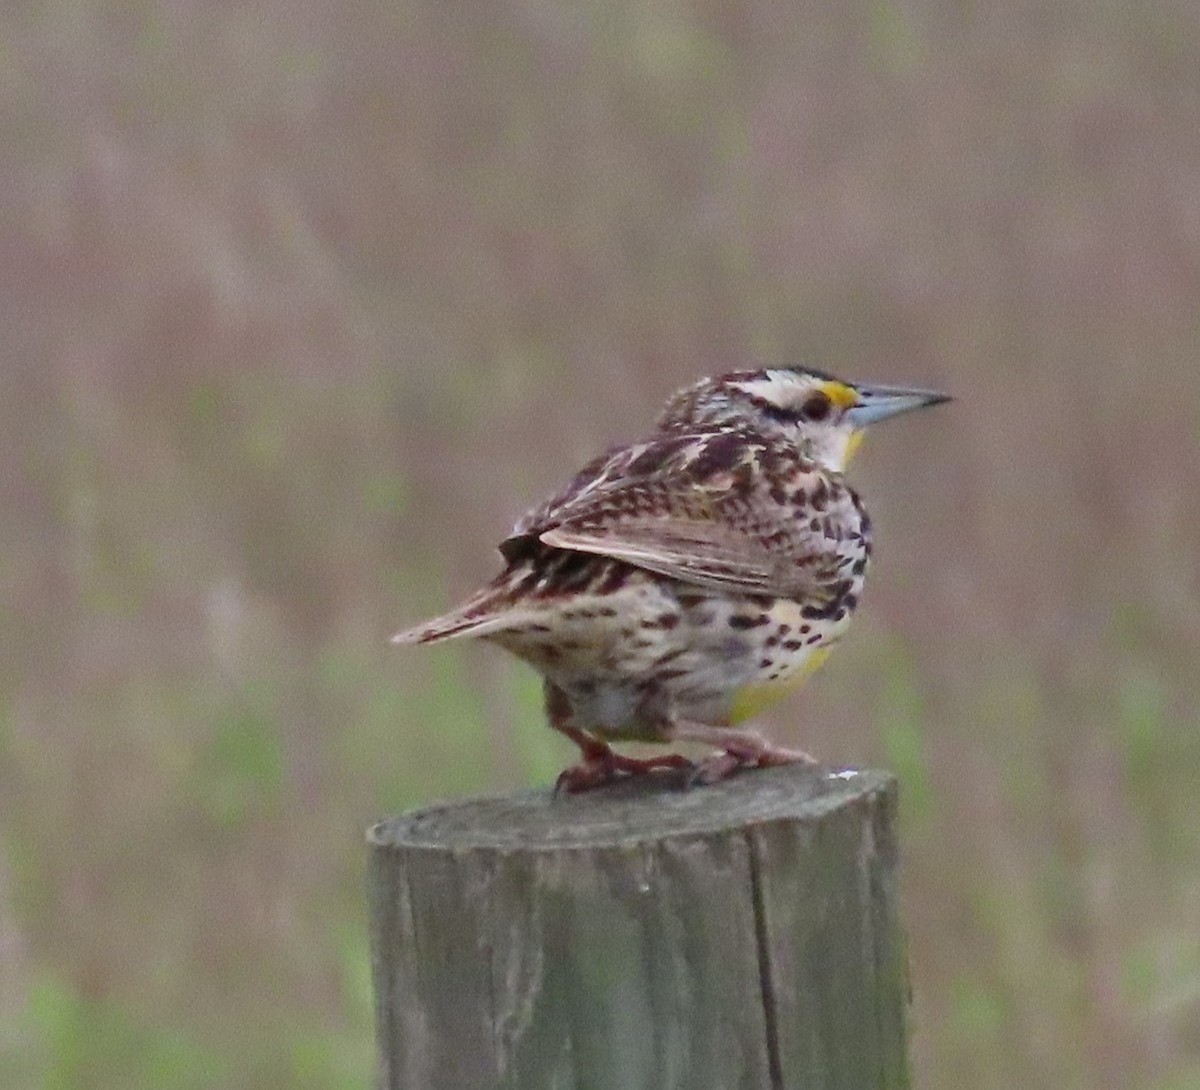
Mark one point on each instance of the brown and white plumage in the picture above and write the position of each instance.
(678, 583)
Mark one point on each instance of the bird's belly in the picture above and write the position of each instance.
(636, 658)
(760, 693)
(781, 655)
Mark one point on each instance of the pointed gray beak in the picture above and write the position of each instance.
(879, 402)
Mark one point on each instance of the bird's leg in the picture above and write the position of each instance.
(600, 764)
(592, 770)
(595, 770)
(737, 749)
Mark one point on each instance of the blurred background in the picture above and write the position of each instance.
(302, 304)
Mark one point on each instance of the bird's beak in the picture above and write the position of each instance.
(879, 402)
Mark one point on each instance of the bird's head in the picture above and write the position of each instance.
(810, 408)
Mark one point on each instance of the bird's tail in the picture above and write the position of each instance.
(482, 615)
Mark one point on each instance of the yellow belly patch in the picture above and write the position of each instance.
(754, 696)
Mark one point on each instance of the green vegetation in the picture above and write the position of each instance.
(299, 312)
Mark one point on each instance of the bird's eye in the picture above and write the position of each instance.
(816, 407)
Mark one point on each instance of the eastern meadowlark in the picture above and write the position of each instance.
(681, 583)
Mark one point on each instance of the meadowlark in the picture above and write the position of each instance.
(683, 582)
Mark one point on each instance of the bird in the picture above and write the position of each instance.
(681, 583)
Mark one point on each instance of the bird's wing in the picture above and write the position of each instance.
(715, 508)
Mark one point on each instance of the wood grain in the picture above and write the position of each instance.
(742, 935)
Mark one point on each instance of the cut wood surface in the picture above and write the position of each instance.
(741, 935)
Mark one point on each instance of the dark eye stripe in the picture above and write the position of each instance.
(816, 407)
(775, 412)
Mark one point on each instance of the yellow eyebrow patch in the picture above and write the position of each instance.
(839, 393)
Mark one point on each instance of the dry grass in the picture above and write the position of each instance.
(301, 304)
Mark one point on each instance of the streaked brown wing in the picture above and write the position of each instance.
(684, 551)
(715, 509)
(619, 469)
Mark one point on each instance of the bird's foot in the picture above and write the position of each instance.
(749, 752)
(602, 765)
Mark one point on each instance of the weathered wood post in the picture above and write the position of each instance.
(731, 937)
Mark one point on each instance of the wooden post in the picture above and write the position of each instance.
(732, 937)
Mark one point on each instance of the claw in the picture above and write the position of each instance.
(714, 769)
(585, 776)
(735, 757)
(602, 765)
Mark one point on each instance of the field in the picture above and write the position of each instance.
(302, 304)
